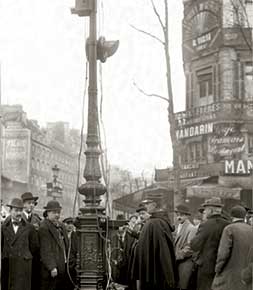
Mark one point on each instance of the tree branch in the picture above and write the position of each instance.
(148, 33)
(158, 15)
(149, 95)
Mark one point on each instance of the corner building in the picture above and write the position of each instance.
(216, 129)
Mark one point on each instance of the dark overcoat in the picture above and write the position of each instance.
(184, 253)
(232, 256)
(206, 243)
(53, 254)
(157, 262)
(35, 220)
(17, 254)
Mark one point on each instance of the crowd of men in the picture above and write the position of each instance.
(37, 254)
(211, 250)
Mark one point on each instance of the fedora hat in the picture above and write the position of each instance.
(16, 203)
(28, 196)
(182, 208)
(52, 205)
(214, 201)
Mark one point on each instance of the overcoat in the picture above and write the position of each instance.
(247, 272)
(206, 243)
(232, 256)
(157, 262)
(53, 254)
(17, 254)
(184, 253)
(35, 220)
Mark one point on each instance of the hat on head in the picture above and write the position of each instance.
(132, 216)
(28, 196)
(68, 220)
(52, 205)
(16, 203)
(146, 201)
(141, 208)
(182, 208)
(214, 202)
(238, 211)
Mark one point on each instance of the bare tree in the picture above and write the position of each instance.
(164, 24)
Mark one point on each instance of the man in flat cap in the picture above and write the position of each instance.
(234, 248)
(19, 242)
(206, 242)
(53, 249)
(185, 233)
(72, 251)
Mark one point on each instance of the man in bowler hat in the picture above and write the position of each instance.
(53, 249)
(29, 202)
(206, 242)
(19, 242)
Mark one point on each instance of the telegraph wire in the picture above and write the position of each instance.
(82, 129)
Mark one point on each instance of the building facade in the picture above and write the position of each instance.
(30, 152)
(215, 132)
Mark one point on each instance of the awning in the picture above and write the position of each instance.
(210, 190)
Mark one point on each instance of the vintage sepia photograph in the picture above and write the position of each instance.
(126, 144)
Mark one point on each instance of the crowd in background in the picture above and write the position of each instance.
(209, 250)
(37, 254)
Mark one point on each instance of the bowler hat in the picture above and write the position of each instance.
(16, 202)
(52, 205)
(182, 208)
(141, 208)
(68, 220)
(28, 196)
(238, 211)
(214, 202)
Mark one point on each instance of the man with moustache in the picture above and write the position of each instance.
(29, 202)
(185, 233)
(206, 242)
(19, 242)
(53, 249)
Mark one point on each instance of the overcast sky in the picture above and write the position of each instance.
(42, 53)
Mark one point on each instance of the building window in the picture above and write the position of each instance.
(250, 144)
(249, 81)
(205, 85)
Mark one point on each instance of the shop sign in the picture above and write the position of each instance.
(227, 141)
(194, 131)
(16, 154)
(207, 191)
(238, 167)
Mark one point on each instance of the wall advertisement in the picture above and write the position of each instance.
(16, 154)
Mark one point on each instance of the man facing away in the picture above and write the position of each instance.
(234, 248)
(206, 242)
(19, 242)
(156, 255)
(53, 249)
(185, 233)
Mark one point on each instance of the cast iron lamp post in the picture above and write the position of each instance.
(55, 188)
(91, 264)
